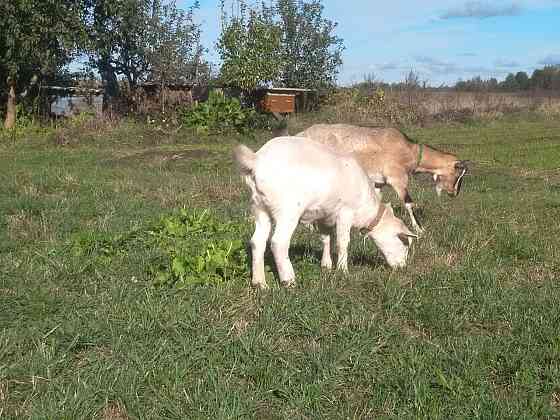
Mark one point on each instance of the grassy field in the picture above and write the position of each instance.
(469, 330)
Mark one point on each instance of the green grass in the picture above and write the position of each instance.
(468, 330)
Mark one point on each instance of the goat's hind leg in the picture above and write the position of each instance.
(259, 239)
(326, 234)
(280, 244)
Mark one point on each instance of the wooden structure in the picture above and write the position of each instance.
(157, 97)
(284, 100)
(65, 101)
(279, 102)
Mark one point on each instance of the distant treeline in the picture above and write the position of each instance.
(546, 78)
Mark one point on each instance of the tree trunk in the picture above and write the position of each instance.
(111, 85)
(10, 121)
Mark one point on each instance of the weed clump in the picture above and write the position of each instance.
(218, 114)
(190, 247)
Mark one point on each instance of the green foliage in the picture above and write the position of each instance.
(25, 124)
(250, 48)
(191, 247)
(142, 39)
(38, 38)
(199, 249)
(547, 78)
(218, 114)
(312, 53)
(289, 43)
(173, 53)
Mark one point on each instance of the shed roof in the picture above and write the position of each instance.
(74, 89)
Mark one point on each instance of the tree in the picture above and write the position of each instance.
(250, 47)
(546, 78)
(289, 43)
(139, 39)
(510, 83)
(174, 53)
(116, 32)
(38, 38)
(312, 53)
(522, 80)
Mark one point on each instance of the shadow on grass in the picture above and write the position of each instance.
(301, 252)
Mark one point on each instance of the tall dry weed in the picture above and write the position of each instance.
(419, 106)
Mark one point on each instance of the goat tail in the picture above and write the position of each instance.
(245, 158)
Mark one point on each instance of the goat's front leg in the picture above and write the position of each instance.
(343, 226)
(280, 244)
(258, 245)
(409, 205)
(401, 187)
(326, 232)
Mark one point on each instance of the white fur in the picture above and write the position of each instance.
(295, 180)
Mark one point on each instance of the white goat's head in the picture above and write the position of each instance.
(392, 236)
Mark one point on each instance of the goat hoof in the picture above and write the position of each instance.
(260, 286)
(419, 230)
(288, 284)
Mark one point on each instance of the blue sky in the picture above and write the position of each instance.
(442, 40)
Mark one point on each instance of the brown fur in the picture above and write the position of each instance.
(389, 157)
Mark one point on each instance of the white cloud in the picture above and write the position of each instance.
(482, 9)
(506, 64)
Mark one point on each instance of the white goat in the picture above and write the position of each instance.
(294, 181)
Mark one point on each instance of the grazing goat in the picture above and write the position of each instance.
(388, 157)
(292, 181)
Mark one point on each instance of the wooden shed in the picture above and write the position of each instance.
(156, 97)
(65, 101)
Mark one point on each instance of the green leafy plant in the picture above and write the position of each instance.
(199, 249)
(218, 114)
(192, 247)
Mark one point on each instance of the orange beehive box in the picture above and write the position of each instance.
(280, 102)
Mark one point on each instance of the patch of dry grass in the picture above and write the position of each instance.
(114, 410)
(29, 226)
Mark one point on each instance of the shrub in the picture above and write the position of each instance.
(218, 115)
(199, 249)
(191, 247)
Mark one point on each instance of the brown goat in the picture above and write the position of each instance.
(388, 157)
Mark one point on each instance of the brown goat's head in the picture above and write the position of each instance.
(450, 177)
